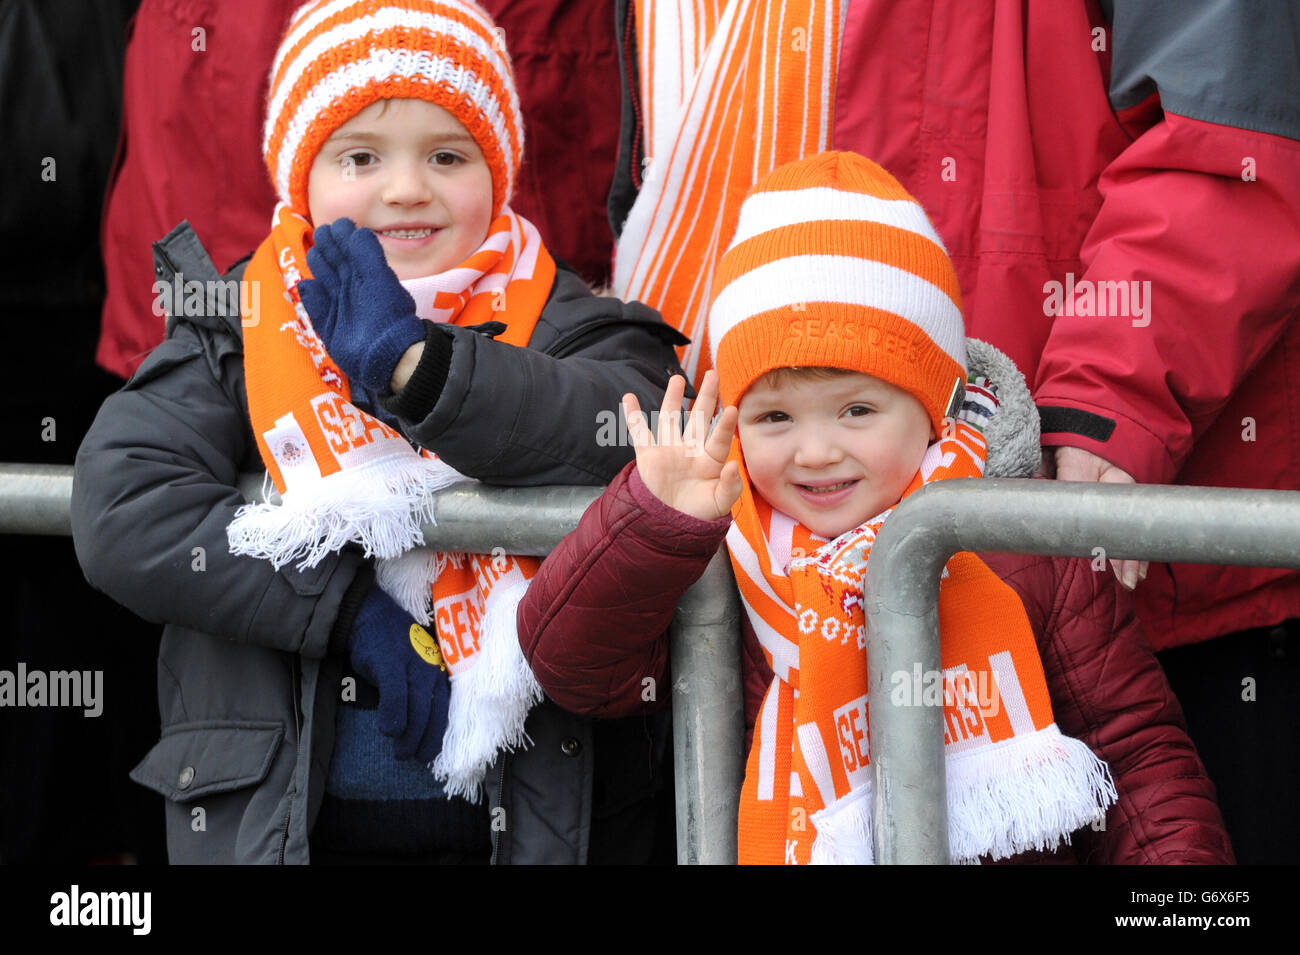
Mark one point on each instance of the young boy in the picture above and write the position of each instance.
(841, 361)
(401, 328)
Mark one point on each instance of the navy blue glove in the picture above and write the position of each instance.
(364, 317)
(413, 687)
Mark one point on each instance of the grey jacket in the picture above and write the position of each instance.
(247, 687)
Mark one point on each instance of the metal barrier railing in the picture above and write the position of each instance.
(1128, 522)
(1147, 522)
(708, 717)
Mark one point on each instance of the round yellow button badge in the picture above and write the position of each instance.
(426, 645)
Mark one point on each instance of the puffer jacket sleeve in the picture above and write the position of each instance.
(593, 624)
(1109, 691)
(154, 488)
(541, 414)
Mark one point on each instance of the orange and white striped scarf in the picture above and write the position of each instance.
(730, 90)
(345, 477)
(1014, 781)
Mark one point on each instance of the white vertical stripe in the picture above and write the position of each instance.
(1013, 697)
(767, 742)
(807, 78)
(781, 542)
(814, 757)
(824, 134)
(648, 222)
(762, 108)
(776, 100)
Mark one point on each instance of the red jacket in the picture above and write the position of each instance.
(1157, 146)
(1114, 141)
(593, 625)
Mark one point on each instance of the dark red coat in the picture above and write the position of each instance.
(594, 622)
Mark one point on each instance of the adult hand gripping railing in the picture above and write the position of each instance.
(1143, 522)
(708, 721)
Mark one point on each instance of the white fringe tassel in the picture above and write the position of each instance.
(490, 701)
(1028, 792)
(408, 579)
(381, 505)
(844, 830)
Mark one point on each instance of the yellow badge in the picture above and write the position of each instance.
(426, 646)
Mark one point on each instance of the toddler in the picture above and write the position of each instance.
(847, 385)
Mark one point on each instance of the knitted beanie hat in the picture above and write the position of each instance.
(339, 56)
(833, 264)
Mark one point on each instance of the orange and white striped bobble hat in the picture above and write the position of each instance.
(339, 56)
(833, 264)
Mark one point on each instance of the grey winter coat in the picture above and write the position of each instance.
(247, 685)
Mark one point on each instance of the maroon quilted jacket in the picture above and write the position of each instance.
(594, 625)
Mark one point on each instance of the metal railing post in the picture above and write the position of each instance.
(1146, 522)
(35, 499)
(708, 716)
(708, 706)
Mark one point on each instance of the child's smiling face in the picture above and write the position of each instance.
(831, 452)
(410, 171)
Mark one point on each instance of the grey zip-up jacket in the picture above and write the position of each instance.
(247, 680)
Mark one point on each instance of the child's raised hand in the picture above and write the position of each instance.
(362, 314)
(687, 471)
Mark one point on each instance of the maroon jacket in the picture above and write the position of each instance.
(594, 623)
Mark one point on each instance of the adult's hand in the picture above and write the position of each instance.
(1076, 464)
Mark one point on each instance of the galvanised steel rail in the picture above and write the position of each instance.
(1147, 522)
(708, 717)
(1141, 522)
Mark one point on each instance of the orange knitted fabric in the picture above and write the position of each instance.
(833, 264)
(730, 90)
(1014, 781)
(345, 477)
(339, 56)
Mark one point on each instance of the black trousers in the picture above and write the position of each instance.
(1241, 696)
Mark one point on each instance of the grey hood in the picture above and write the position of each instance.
(1013, 432)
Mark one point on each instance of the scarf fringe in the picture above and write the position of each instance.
(1025, 793)
(489, 702)
(407, 580)
(844, 830)
(382, 506)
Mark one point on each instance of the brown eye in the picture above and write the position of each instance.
(445, 159)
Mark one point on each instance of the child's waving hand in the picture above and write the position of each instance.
(689, 471)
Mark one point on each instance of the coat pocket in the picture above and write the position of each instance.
(193, 760)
